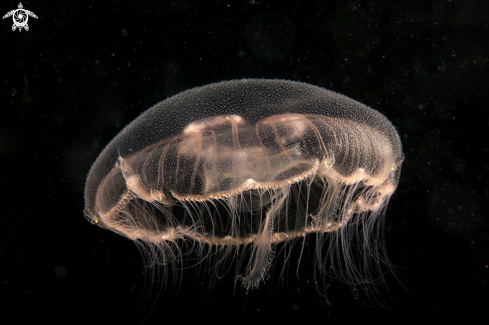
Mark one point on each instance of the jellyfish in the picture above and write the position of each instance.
(235, 169)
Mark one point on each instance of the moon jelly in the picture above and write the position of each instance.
(238, 167)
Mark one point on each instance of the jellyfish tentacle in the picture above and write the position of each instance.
(263, 248)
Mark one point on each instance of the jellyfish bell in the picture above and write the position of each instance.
(240, 167)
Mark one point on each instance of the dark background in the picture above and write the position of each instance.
(85, 69)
